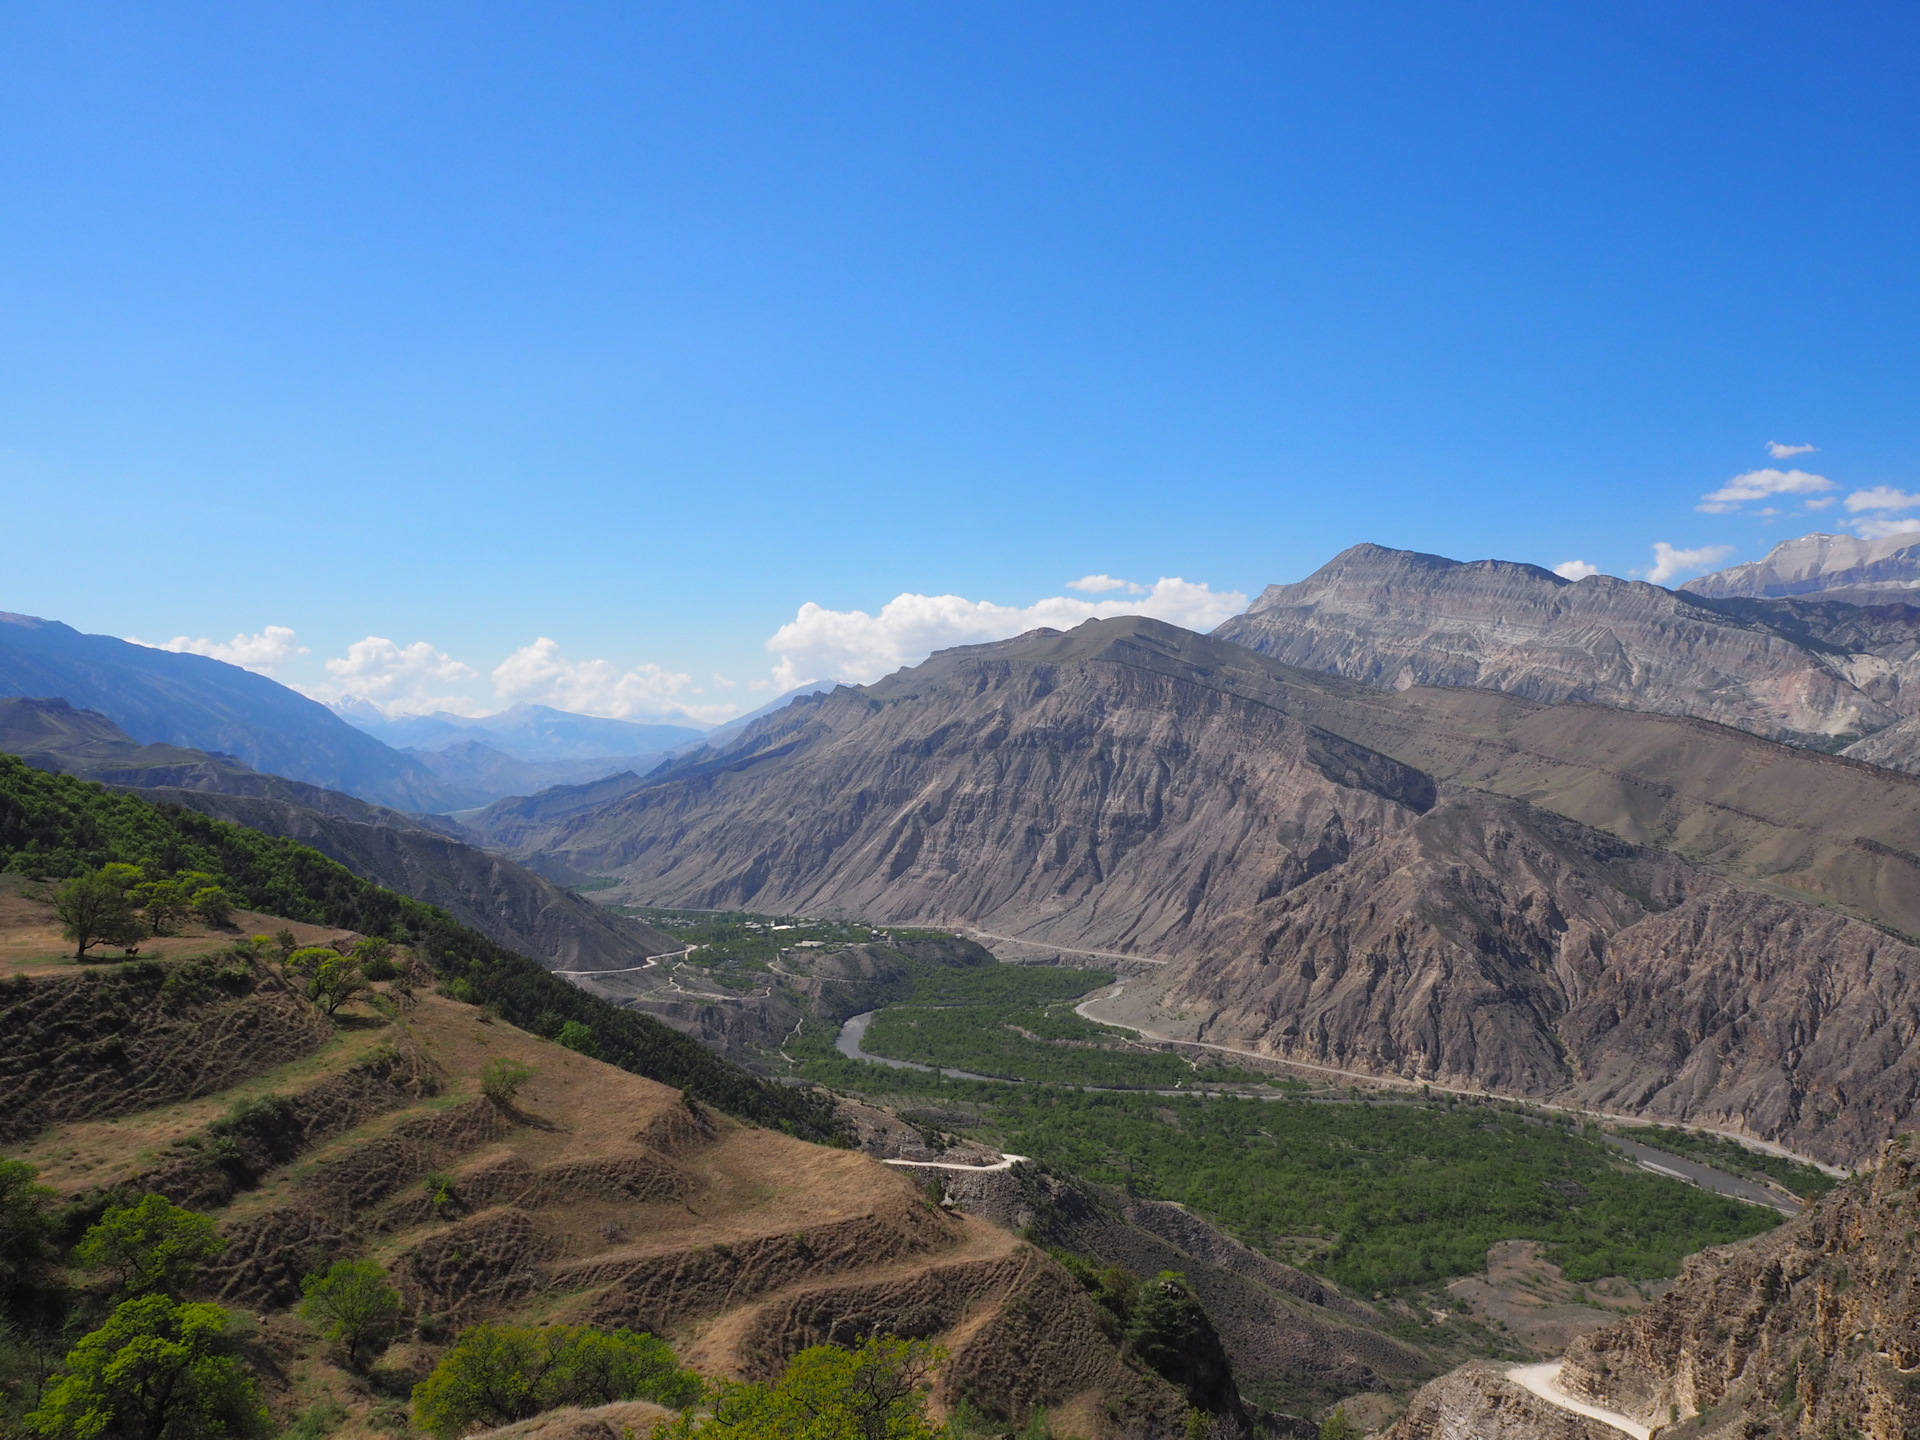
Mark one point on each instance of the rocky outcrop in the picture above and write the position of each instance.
(1394, 618)
(1479, 1402)
(1830, 566)
(1811, 1330)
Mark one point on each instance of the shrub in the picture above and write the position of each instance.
(576, 1036)
(873, 1393)
(157, 1370)
(153, 1246)
(497, 1374)
(501, 1079)
(213, 905)
(352, 1303)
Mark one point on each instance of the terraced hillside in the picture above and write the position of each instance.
(592, 1195)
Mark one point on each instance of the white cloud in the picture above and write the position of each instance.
(1669, 563)
(1879, 529)
(259, 653)
(411, 679)
(1758, 485)
(1100, 584)
(1575, 569)
(853, 645)
(1881, 497)
(541, 674)
(1787, 452)
(722, 681)
(1822, 503)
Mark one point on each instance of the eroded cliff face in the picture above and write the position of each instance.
(1494, 945)
(1812, 1330)
(1478, 1402)
(1051, 791)
(1394, 618)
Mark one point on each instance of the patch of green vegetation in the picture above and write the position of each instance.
(1029, 985)
(1736, 1159)
(1021, 1042)
(1397, 1195)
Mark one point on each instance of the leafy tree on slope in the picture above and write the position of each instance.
(157, 1370)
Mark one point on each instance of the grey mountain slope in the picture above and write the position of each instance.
(158, 697)
(1820, 566)
(426, 857)
(1394, 618)
(1045, 786)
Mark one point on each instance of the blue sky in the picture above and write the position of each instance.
(636, 329)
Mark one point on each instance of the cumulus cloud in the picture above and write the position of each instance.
(540, 674)
(1822, 502)
(1575, 569)
(259, 653)
(411, 679)
(1787, 452)
(1100, 584)
(1881, 497)
(1760, 484)
(1877, 529)
(1669, 563)
(853, 645)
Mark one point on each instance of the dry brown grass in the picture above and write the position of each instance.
(31, 942)
(601, 1196)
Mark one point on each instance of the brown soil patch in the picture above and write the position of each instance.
(1525, 1295)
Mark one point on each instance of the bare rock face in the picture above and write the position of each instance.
(1811, 1330)
(1478, 1402)
(1396, 618)
(1823, 565)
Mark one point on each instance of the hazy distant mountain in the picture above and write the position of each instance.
(424, 856)
(534, 733)
(493, 775)
(158, 697)
(1825, 567)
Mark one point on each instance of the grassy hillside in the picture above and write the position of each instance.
(55, 826)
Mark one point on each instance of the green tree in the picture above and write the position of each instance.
(576, 1036)
(825, 1393)
(375, 959)
(352, 1303)
(24, 1230)
(94, 910)
(157, 1370)
(213, 905)
(152, 1246)
(501, 1078)
(1338, 1427)
(332, 978)
(165, 903)
(497, 1374)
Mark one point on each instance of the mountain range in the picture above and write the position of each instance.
(160, 697)
(1700, 933)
